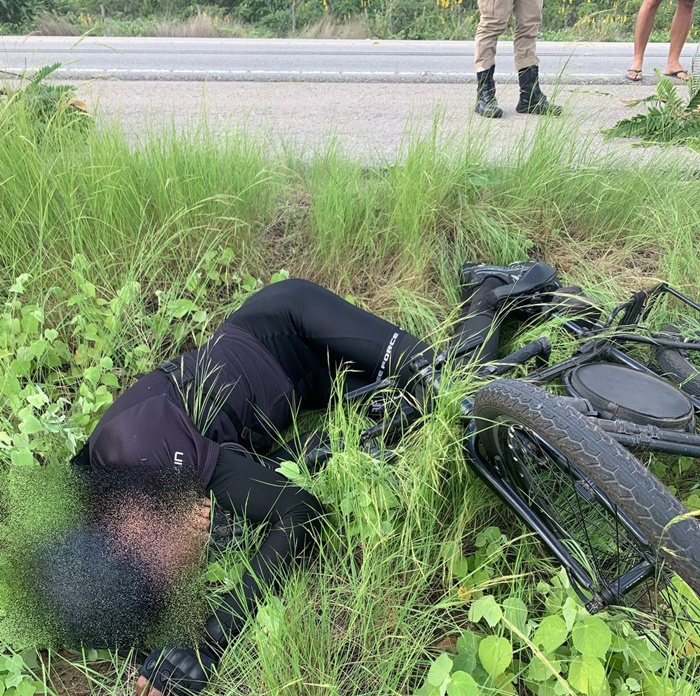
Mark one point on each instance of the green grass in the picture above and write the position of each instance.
(136, 251)
(605, 20)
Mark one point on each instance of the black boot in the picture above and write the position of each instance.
(486, 104)
(532, 101)
(473, 275)
(522, 278)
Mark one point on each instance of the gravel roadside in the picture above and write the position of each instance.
(372, 122)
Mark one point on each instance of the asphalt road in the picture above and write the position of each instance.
(299, 60)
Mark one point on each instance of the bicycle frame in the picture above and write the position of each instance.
(394, 426)
(595, 347)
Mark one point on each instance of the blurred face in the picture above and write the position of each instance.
(164, 541)
(128, 565)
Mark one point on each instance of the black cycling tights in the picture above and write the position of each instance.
(311, 332)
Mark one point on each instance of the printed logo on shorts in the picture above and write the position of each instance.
(387, 355)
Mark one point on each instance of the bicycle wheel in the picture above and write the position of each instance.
(605, 507)
(676, 364)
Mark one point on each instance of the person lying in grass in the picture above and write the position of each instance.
(193, 424)
(196, 428)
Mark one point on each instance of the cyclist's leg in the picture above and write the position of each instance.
(484, 293)
(311, 331)
(477, 327)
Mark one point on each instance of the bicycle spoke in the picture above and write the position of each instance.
(592, 528)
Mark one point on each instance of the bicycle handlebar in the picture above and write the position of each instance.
(540, 349)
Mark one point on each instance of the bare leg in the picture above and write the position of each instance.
(680, 26)
(642, 32)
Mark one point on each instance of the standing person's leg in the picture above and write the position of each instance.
(642, 32)
(311, 331)
(680, 26)
(528, 18)
(493, 21)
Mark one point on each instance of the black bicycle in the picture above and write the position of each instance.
(565, 464)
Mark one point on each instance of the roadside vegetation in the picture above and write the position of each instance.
(576, 20)
(669, 119)
(114, 256)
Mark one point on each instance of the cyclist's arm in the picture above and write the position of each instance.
(262, 496)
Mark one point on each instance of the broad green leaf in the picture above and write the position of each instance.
(178, 308)
(464, 662)
(38, 399)
(9, 384)
(25, 688)
(14, 678)
(270, 616)
(587, 675)
(439, 670)
(658, 685)
(24, 353)
(495, 654)
(515, 611)
(488, 536)
(30, 425)
(539, 671)
(215, 572)
(38, 347)
(463, 684)
(468, 643)
(282, 274)
(289, 469)
(488, 608)
(592, 636)
(504, 683)
(570, 612)
(92, 374)
(460, 567)
(632, 684)
(551, 633)
(110, 379)
(20, 368)
(250, 283)
(18, 286)
(22, 457)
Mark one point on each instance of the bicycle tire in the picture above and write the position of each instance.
(508, 408)
(674, 363)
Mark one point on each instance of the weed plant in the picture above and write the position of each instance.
(114, 257)
(669, 119)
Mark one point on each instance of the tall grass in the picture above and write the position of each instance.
(201, 217)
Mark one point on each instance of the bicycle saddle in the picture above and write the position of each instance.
(540, 277)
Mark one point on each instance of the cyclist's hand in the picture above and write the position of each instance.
(175, 671)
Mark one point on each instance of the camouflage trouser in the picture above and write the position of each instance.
(493, 22)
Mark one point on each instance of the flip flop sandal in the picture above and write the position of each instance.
(635, 76)
(677, 74)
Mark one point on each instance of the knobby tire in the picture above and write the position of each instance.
(508, 409)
